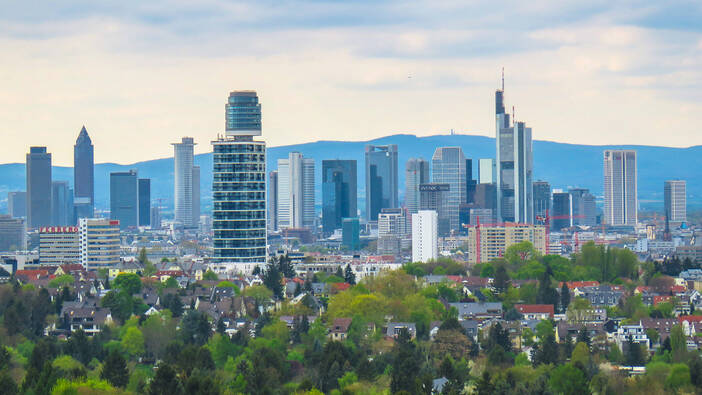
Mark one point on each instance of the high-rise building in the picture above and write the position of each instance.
(239, 184)
(59, 245)
(61, 204)
(416, 174)
(184, 186)
(487, 173)
(434, 196)
(83, 176)
(38, 187)
(273, 201)
(562, 212)
(487, 243)
(13, 233)
(449, 167)
(425, 242)
(99, 242)
(144, 202)
(381, 179)
(350, 233)
(17, 204)
(471, 183)
(584, 208)
(514, 167)
(196, 196)
(620, 187)
(675, 200)
(155, 217)
(542, 199)
(339, 187)
(486, 198)
(124, 198)
(296, 192)
(392, 229)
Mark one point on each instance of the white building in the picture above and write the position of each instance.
(675, 200)
(186, 183)
(59, 245)
(486, 171)
(99, 242)
(296, 192)
(620, 187)
(392, 229)
(425, 242)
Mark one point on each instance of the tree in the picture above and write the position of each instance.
(165, 382)
(129, 282)
(172, 302)
(120, 304)
(195, 328)
(634, 355)
(7, 384)
(61, 281)
(501, 280)
(405, 364)
(272, 279)
(133, 342)
(565, 298)
(210, 275)
(581, 355)
(679, 376)
(584, 337)
(142, 256)
(547, 294)
(349, 275)
(114, 370)
(567, 379)
(678, 343)
(259, 293)
(285, 266)
(520, 253)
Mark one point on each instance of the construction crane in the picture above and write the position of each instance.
(546, 220)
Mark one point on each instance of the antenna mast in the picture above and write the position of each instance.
(503, 79)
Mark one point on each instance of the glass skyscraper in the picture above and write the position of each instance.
(239, 184)
(124, 198)
(449, 167)
(381, 179)
(184, 183)
(38, 187)
(416, 174)
(338, 193)
(144, 202)
(620, 188)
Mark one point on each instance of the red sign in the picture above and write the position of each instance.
(58, 229)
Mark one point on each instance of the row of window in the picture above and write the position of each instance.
(239, 234)
(236, 187)
(240, 224)
(235, 177)
(239, 158)
(237, 148)
(239, 215)
(241, 243)
(239, 167)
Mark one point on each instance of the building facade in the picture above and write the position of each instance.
(381, 179)
(59, 245)
(583, 206)
(144, 202)
(61, 204)
(434, 196)
(339, 187)
(486, 243)
(392, 229)
(124, 198)
(416, 174)
(562, 213)
(425, 242)
(620, 188)
(17, 204)
(296, 192)
(350, 233)
(239, 184)
(13, 233)
(542, 200)
(273, 201)
(83, 176)
(449, 167)
(38, 187)
(99, 242)
(675, 200)
(184, 184)
(487, 172)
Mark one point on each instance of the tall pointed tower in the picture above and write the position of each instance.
(83, 176)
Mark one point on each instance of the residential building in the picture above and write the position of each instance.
(449, 167)
(425, 241)
(61, 204)
(675, 200)
(542, 200)
(381, 179)
(487, 172)
(99, 242)
(239, 184)
(392, 229)
(38, 187)
(13, 233)
(144, 202)
(83, 176)
(583, 206)
(91, 320)
(186, 188)
(273, 201)
(17, 204)
(478, 311)
(620, 188)
(124, 198)
(486, 243)
(416, 174)
(296, 192)
(59, 245)
(339, 187)
(514, 166)
(434, 197)
(535, 311)
(350, 233)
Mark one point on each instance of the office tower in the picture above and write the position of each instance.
(155, 217)
(470, 182)
(488, 243)
(196, 196)
(514, 166)
(425, 243)
(482, 216)
(381, 179)
(350, 233)
(83, 176)
(273, 201)
(184, 185)
(542, 199)
(675, 200)
(338, 193)
(620, 187)
(562, 213)
(99, 242)
(392, 228)
(449, 167)
(296, 192)
(17, 204)
(61, 204)
(124, 198)
(435, 197)
(486, 171)
(416, 174)
(583, 205)
(59, 245)
(13, 233)
(239, 184)
(38, 187)
(486, 197)
(144, 202)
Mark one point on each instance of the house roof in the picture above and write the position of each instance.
(534, 308)
(341, 325)
(579, 284)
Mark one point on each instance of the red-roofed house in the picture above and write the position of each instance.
(678, 290)
(661, 299)
(338, 287)
(642, 289)
(691, 324)
(535, 311)
(579, 284)
(32, 274)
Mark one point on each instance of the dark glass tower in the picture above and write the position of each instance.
(124, 198)
(83, 176)
(338, 193)
(144, 202)
(38, 187)
(381, 179)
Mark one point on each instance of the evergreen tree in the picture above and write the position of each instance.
(114, 370)
(273, 281)
(584, 336)
(339, 272)
(349, 276)
(501, 281)
(405, 364)
(165, 382)
(634, 355)
(565, 298)
(221, 327)
(547, 294)
(195, 328)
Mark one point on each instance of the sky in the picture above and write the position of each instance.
(141, 75)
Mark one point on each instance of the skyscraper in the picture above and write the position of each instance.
(17, 204)
(449, 167)
(184, 190)
(61, 204)
(296, 192)
(583, 205)
(273, 201)
(620, 187)
(99, 242)
(239, 184)
(381, 179)
(514, 166)
(196, 196)
(425, 243)
(144, 202)
(350, 229)
(675, 200)
(13, 233)
(562, 210)
(435, 197)
(542, 199)
(486, 171)
(83, 176)
(470, 182)
(339, 186)
(124, 198)
(416, 174)
(38, 187)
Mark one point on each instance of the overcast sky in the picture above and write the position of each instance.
(140, 75)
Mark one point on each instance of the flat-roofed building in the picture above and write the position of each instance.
(59, 245)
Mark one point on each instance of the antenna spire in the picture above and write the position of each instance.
(503, 79)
